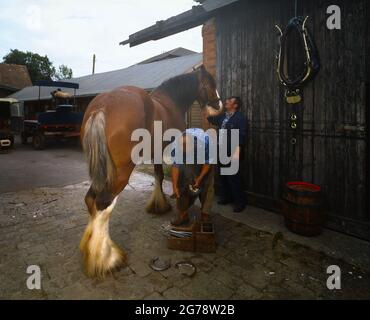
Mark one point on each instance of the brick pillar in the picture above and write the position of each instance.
(209, 46)
(209, 54)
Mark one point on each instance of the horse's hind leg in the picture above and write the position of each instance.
(90, 203)
(158, 203)
(101, 255)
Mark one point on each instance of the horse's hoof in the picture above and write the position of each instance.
(104, 263)
(106, 269)
(158, 208)
(158, 205)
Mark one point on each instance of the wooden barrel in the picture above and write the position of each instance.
(302, 208)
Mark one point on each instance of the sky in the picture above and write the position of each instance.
(70, 32)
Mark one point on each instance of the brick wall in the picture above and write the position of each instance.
(209, 54)
(195, 117)
(209, 46)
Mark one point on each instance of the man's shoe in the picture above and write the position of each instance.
(239, 207)
(180, 220)
(223, 202)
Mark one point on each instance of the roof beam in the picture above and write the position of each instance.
(210, 5)
(164, 28)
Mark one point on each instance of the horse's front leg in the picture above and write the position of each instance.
(158, 203)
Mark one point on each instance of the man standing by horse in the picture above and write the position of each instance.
(231, 189)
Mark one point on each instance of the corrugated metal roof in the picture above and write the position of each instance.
(175, 53)
(147, 76)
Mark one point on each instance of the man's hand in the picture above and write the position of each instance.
(176, 192)
(197, 182)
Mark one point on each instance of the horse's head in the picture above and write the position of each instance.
(207, 92)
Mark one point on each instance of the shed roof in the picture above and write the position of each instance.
(178, 52)
(147, 76)
(14, 76)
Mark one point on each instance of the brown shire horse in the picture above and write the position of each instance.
(106, 132)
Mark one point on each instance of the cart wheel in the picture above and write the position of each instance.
(23, 138)
(38, 141)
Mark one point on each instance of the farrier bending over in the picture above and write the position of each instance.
(192, 180)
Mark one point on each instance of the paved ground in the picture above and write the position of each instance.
(43, 226)
(59, 164)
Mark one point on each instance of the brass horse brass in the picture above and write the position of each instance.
(293, 96)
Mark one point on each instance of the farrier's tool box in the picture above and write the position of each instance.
(198, 237)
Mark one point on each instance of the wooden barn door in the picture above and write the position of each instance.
(331, 146)
(368, 146)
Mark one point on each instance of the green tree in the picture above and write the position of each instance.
(64, 72)
(39, 67)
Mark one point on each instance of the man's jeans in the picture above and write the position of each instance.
(231, 188)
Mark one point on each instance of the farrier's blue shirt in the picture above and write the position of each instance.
(200, 137)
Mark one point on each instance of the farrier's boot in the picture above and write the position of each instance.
(180, 220)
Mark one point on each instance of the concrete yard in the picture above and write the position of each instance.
(43, 216)
(24, 168)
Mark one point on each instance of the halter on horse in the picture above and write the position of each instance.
(106, 132)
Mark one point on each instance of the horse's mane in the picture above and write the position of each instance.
(182, 89)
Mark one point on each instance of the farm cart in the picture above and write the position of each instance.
(61, 122)
(11, 121)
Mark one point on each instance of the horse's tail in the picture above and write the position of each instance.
(94, 142)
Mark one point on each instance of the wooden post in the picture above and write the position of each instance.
(93, 68)
(39, 99)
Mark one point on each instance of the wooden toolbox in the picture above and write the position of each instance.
(202, 238)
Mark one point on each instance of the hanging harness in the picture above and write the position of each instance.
(294, 84)
(310, 67)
